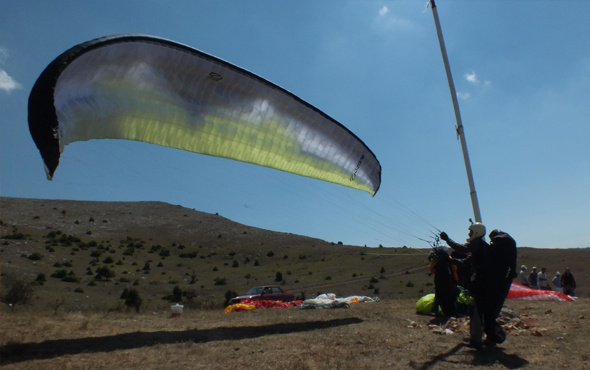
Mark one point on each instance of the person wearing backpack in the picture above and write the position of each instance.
(495, 268)
(502, 271)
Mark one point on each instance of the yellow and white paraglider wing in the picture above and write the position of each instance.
(153, 90)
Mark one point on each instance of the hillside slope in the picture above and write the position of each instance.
(156, 247)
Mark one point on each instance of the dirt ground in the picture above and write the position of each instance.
(382, 335)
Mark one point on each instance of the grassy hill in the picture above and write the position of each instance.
(156, 247)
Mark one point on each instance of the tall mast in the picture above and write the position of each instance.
(460, 131)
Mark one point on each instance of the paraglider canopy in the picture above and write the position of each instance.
(149, 89)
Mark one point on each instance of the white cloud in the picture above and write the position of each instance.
(463, 95)
(472, 77)
(3, 54)
(387, 19)
(7, 83)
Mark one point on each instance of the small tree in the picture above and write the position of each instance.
(176, 294)
(104, 273)
(18, 291)
(132, 298)
(229, 294)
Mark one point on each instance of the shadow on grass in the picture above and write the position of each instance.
(14, 353)
(486, 357)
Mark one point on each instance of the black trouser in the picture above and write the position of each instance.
(489, 300)
(444, 293)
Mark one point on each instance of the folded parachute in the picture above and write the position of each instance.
(518, 291)
(149, 89)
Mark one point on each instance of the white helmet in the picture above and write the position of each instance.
(476, 230)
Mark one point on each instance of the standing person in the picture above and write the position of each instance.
(568, 282)
(533, 279)
(542, 279)
(557, 282)
(524, 279)
(490, 285)
(464, 268)
(502, 271)
(445, 282)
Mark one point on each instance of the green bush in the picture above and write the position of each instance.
(59, 274)
(35, 256)
(70, 278)
(220, 281)
(104, 273)
(132, 298)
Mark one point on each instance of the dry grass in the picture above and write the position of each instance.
(386, 334)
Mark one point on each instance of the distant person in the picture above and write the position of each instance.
(533, 279)
(494, 267)
(557, 282)
(568, 282)
(524, 279)
(542, 279)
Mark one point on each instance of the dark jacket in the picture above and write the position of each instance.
(478, 248)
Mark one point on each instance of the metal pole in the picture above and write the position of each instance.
(460, 132)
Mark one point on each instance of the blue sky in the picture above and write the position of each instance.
(521, 69)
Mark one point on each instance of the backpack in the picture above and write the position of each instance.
(502, 255)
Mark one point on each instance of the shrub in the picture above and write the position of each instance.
(59, 274)
(229, 295)
(104, 273)
(40, 280)
(220, 281)
(192, 254)
(15, 235)
(35, 256)
(16, 291)
(132, 298)
(70, 278)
